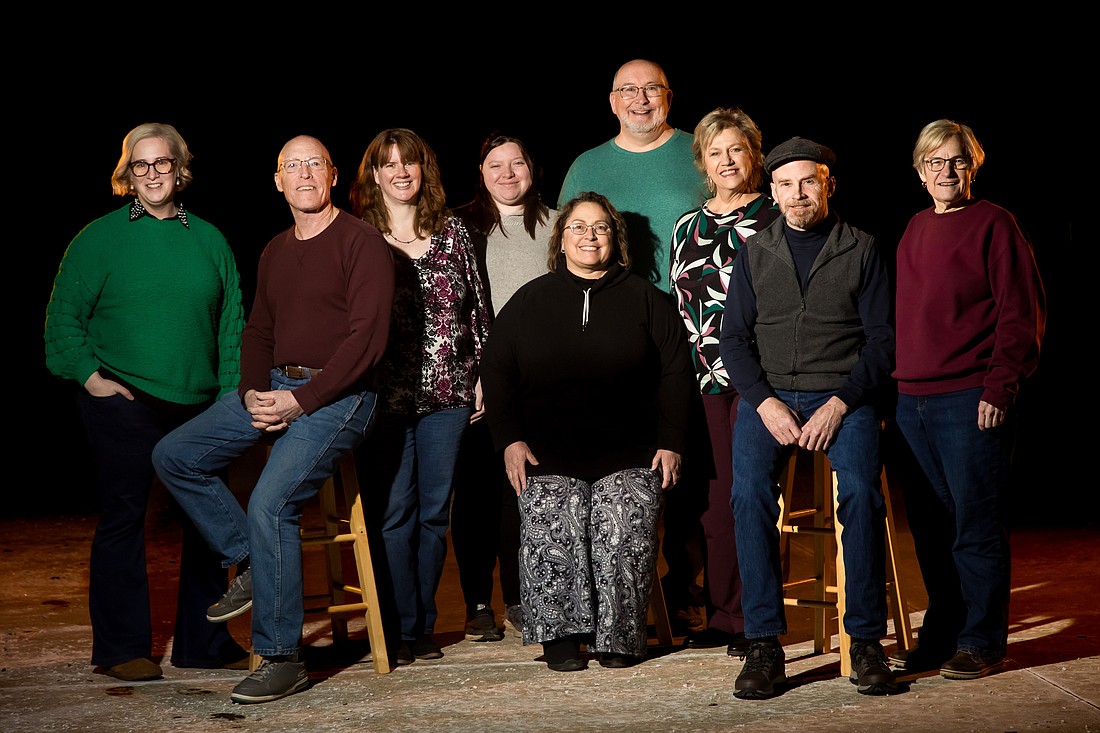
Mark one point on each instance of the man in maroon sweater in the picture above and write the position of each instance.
(315, 335)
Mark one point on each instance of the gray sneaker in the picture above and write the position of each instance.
(513, 621)
(271, 681)
(236, 600)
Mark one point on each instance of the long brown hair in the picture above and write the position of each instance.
(365, 196)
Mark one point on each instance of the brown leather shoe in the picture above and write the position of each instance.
(136, 670)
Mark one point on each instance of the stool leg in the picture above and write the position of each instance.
(334, 560)
(845, 640)
(903, 630)
(659, 611)
(365, 566)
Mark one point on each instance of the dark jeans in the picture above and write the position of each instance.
(122, 434)
(483, 500)
(958, 520)
(758, 461)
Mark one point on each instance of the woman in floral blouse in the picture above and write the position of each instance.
(429, 389)
(727, 149)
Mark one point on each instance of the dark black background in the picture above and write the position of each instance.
(866, 97)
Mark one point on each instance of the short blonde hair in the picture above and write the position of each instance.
(122, 179)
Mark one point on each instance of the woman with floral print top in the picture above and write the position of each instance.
(429, 390)
(727, 149)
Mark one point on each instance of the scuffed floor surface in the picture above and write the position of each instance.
(1051, 681)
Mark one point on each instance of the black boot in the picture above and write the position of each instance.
(563, 655)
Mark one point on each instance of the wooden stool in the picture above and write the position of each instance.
(825, 582)
(342, 524)
(658, 611)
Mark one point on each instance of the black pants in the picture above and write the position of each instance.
(122, 434)
(484, 522)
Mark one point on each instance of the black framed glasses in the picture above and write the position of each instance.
(629, 91)
(160, 165)
(295, 165)
(959, 163)
(599, 228)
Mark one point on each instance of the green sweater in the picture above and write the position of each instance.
(153, 301)
(651, 190)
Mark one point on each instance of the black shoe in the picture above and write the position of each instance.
(688, 620)
(513, 621)
(763, 670)
(230, 656)
(482, 626)
(402, 654)
(425, 648)
(869, 669)
(618, 661)
(563, 655)
(739, 646)
(236, 600)
(970, 665)
(708, 638)
(271, 681)
(917, 659)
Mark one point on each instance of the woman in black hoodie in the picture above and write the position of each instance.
(587, 383)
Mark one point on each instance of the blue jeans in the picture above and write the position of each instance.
(758, 461)
(189, 461)
(408, 468)
(959, 520)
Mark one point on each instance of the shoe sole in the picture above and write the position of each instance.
(231, 614)
(984, 672)
(617, 664)
(878, 688)
(570, 665)
(755, 694)
(132, 678)
(759, 694)
(252, 699)
(512, 630)
(485, 636)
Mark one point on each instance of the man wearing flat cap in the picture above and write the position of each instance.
(808, 343)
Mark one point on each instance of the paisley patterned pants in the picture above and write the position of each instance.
(587, 557)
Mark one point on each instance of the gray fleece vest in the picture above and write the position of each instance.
(809, 341)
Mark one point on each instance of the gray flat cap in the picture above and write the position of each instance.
(798, 148)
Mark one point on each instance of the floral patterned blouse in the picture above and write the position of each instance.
(704, 245)
(439, 325)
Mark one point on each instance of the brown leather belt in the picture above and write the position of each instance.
(298, 372)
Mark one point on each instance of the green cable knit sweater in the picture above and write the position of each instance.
(153, 301)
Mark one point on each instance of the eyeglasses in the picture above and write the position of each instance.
(294, 165)
(160, 165)
(959, 163)
(629, 91)
(601, 229)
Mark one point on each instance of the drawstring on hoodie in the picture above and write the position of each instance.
(584, 312)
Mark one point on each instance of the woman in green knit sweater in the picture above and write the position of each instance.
(146, 316)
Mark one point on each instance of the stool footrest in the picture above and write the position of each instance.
(323, 539)
(799, 529)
